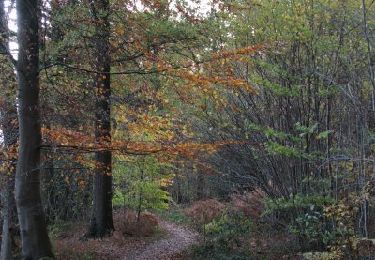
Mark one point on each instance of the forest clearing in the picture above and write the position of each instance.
(187, 129)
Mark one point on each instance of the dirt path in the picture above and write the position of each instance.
(176, 240)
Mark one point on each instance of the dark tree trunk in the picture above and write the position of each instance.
(35, 240)
(101, 222)
(10, 230)
(200, 185)
(9, 126)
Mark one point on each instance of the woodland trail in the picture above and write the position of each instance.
(176, 240)
(170, 244)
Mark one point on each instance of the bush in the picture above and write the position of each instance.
(204, 211)
(229, 226)
(129, 223)
(319, 222)
(142, 185)
(251, 204)
(304, 216)
(224, 237)
(287, 207)
(312, 230)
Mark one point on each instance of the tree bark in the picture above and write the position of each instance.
(9, 232)
(35, 241)
(101, 223)
(200, 185)
(9, 127)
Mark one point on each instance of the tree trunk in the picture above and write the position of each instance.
(35, 240)
(101, 223)
(9, 126)
(200, 185)
(9, 221)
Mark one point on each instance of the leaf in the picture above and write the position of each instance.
(120, 30)
(324, 134)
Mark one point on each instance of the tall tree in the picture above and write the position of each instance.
(35, 241)
(101, 222)
(9, 127)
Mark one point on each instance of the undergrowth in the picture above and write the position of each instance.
(223, 238)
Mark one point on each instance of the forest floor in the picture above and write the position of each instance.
(171, 246)
(169, 243)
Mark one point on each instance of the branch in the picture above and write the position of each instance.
(85, 149)
(126, 72)
(4, 50)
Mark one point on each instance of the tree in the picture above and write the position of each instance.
(101, 222)
(9, 127)
(35, 241)
(141, 184)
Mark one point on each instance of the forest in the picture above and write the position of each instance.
(187, 129)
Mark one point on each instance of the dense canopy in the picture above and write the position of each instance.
(221, 129)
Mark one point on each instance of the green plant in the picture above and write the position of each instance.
(342, 215)
(141, 185)
(312, 230)
(58, 227)
(176, 215)
(229, 226)
(299, 201)
(305, 218)
(224, 237)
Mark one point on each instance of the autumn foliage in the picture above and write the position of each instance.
(129, 223)
(204, 211)
(250, 204)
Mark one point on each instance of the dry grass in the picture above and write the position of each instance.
(129, 224)
(204, 211)
(250, 204)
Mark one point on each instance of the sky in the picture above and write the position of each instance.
(12, 24)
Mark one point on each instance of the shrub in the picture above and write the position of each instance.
(312, 230)
(129, 223)
(304, 217)
(250, 204)
(142, 185)
(224, 237)
(204, 211)
(287, 207)
(229, 226)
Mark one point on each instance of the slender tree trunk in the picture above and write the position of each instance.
(369, 53)
(9, 221)
(35, 240)
(48, 173)
(9, 126)
(200, 185)
(101, 223)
